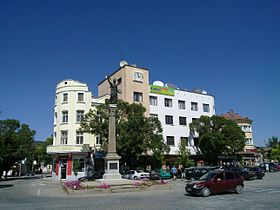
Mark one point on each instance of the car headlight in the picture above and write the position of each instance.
(197, 186)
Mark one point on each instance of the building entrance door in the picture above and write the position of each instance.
(63, 170)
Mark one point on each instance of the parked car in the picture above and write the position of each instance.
(136, 174)
(259, 173)
(216, 182)
(195, 172)
(164, 174)
(278, 167)
(154, 175)
(272, 167)
(29, 173)
(92, 177)
(248, 175)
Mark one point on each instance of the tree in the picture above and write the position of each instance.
(16, 143)
(40, 154)
(136, 134)
(76, 166)
(274, 144)
(183, 157)
(217, 137)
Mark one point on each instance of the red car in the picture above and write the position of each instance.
(216, 182)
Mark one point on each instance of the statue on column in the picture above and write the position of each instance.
(114, 90)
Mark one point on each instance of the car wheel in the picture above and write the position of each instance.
(239, 189)
(205, 192)
(135, 177)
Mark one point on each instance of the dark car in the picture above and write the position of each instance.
(92, 177)
(259, 173)
(248, 175)
(272, 167)
(154, 175)
(196, 172)
(29, 173)
(216, 182)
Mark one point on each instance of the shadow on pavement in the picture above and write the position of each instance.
(19, 178)
(6, 185)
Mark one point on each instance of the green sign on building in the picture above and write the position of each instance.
(162, 90)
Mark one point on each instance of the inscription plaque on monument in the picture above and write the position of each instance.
(113, 166)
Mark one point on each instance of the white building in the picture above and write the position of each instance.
(72, 100)
(177, 108)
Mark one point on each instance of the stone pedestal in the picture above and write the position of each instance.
(112, 158)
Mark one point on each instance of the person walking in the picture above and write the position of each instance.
(266, 167)
(174, 172)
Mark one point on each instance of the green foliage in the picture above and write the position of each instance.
(183, 157)
(274, 143)
(16, 143)
(76, 166)
(275, 153)
(217, 137)
(40, 154)
(136, 134)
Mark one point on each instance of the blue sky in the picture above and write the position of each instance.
(229, 48)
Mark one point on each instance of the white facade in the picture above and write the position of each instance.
(176, 111)
(72, 101)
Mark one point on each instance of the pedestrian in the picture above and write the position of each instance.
(174, 172)
(266, 167)
(183, 172)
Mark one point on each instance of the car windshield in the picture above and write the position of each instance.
(208, 176)
(140, 171)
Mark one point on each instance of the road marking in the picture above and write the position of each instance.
(264, 190)
(38, 192)
(274, 191)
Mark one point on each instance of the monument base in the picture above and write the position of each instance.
(112, 167)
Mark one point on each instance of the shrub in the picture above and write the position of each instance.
(104, 186)
(74, 185)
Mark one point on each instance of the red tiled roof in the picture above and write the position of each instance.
(231, 115)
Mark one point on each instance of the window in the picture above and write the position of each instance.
(138, 97)
(181, 104)
(154, 115)
(80, 116)
(64, 137)
(80, 97)
(99, 119)
(170, 140)
(98, 140)
(55, 117)
(153, 101)
(65, 116)
(194, 106)
(206, 108)
(79, 137)
(182, 121)
(248, 141)
(185, 140)
(65, 97)
(119, 81)
(81, 162)
(168, 120)
(194, 119)
(168, 102)
(229, 176)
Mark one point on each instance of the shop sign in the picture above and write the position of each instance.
(162, 90)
